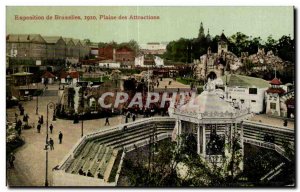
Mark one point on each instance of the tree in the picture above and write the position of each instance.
(87, 41)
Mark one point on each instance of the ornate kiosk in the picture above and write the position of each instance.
(217, 127)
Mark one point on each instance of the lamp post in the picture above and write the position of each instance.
(51, 105)
(82, 125)
(82, 105)
(37, 99)
(46, 172)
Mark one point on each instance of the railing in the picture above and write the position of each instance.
(90, 136)
(268, 126)
(215, 114)
(129, 125)
(267, 145)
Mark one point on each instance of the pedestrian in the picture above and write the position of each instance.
(60, 137)
(16, 117)
(126, 119)
(106, 121)
(22, 111)
(133, 117)
(38, 128)
(19, 131)
(80, 172)
(11, 160)
(89, 174)
(51, 143)
(51, 128)
(42, 119)
(99, 175)
(19, 123)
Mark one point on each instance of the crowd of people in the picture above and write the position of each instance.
(23, 123)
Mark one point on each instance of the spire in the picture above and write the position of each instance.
(208, 35)
(201, 31)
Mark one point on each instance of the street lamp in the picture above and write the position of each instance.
(83, 86)
(37, 99)
(82, 124)
(49, 105)
(46, 172)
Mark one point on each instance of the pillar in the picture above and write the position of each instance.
(242, 138)
(204, 140)
(178, 131)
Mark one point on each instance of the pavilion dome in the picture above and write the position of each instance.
(207, 102)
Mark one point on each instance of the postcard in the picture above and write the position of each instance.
(150, 96)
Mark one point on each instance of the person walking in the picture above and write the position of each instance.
(60, 137)
(51, 143)
(106, 121)
(80, 172)
(38, 128)
(133, 117)
(16, 117)
(51, 128)
(89, 174)
(42, 119)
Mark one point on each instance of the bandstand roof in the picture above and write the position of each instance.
(22, 74)
(207, 102)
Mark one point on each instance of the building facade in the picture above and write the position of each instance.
(34, 49)
(278, 101)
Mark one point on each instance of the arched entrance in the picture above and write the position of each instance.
(212, 75)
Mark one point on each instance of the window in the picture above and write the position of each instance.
(253, 91)
(253, 101)
(273, 105)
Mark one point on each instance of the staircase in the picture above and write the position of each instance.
(98, 154)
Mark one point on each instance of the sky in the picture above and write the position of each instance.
(173, 23)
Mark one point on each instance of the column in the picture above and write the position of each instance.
(178, 131)
(242, 138)
(204, 140)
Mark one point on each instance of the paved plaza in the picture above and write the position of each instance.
(174, 84)
(30, 158)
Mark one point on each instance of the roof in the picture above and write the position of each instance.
(278, 90)
(124, 49)
(51, 39)
(275, 81)
(24, 38)
(73, 74)
(244, 81)
(223, 38)
(47, 74)
(77, 41)
(207, 102)
(68, 40)
(22, 74)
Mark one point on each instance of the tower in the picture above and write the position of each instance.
(273, 97)
(222, 44)
(208, 36)
(201, 31)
